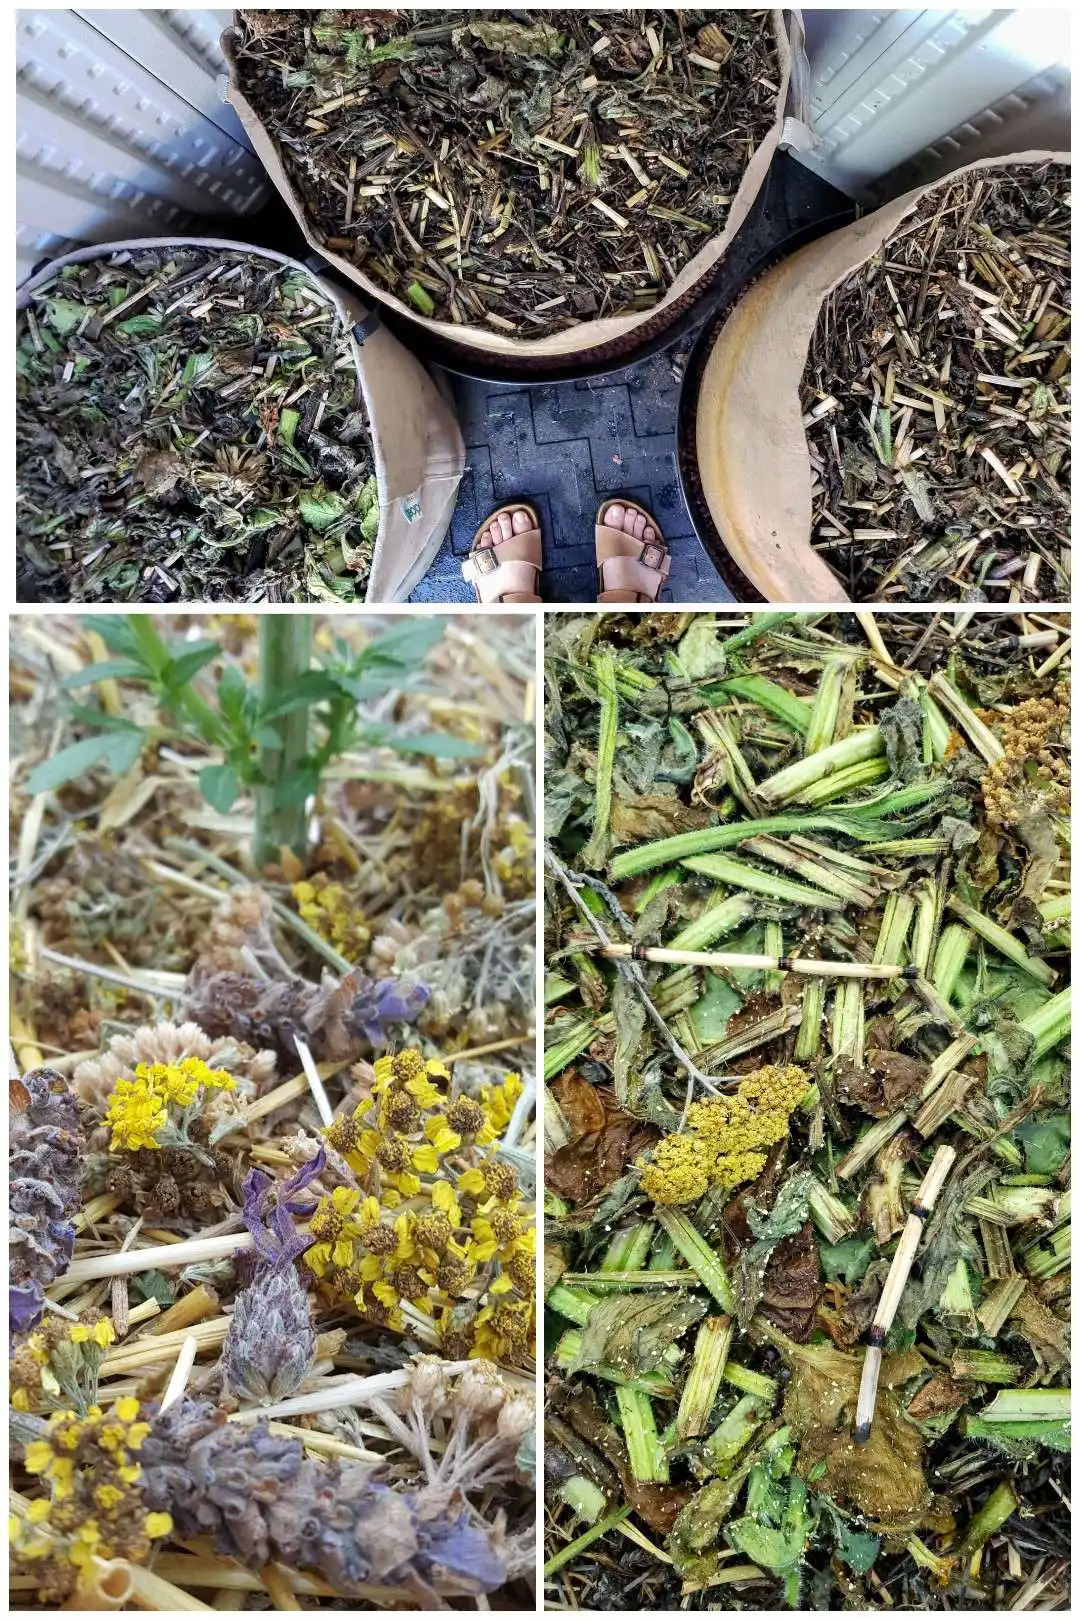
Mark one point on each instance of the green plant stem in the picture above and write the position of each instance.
(568, 1553)
(203, 717)
(648, 1461)
(595, 852)
(285, 641)
(994, 1513)
(703, 1261)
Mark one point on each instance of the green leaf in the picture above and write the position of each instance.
(287, 426)
(232, 694)
(856, 1548)
(100, 720)
(267, 737)
(112, 669)
(630, 1332)
(116, 750)
(220, 786)
(117, 634)
(313, 686)
(848, 1259)
(320, 507)
(433, 744)
(140, 325)
(152, 1285)
(1045, 1143)
(179, 671)
(64, 314)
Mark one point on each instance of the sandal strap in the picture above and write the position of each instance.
(493, 582)
(612, 543)
(524, 547)
(644, 578)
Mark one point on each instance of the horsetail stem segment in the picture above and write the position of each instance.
(808, 966)
(895, 1283)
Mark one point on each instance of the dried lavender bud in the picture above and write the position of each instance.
(379, 1002)
(44, 1149)
(264, 1501)
(333, 1018)
(270, 1346)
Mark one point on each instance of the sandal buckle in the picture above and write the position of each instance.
(485, 560)
(652, 556)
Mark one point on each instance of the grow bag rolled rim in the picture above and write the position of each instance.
(693, 492)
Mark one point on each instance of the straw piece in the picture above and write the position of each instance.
(181, 1372)
(165, 1257)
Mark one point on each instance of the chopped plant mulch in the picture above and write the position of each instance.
(190, 429)
(272, 1160)
(807, 1183)
(936, 399)
(523, 171)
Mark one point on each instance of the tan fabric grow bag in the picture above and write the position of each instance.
(792, 100)
(415, 440)
(751, 449)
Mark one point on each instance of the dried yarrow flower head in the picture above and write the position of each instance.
(43, 1167)
(157, 1108)
(163, 1124)
(270, 1346)
(433, 1224)
(94, 1079)
(60, 1359)
(334, 913)
(727, 1137)
(263, 1500)
(96, 1507)
(335, 1019)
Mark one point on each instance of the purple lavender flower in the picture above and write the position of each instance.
(262, 1499)
(379, 1002)
(43, 1168)
(270, 1345)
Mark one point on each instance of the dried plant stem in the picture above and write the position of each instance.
(151, 984)
(196, 1569)
(151, 1350)
(895, 1283)
(178, 1379)
(808, 966)
(275, 1584)
(194, 1307)
(311, 1074)
(324, 1444)
(166, 1256)
(103, 1584)
(343, 1392)
(150, 1590)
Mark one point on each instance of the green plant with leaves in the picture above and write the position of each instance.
(276, 737)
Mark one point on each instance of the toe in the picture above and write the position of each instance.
(649, 535)
(485, 538)
(615, 516)
(521, 521)
(506, 527)
(638, 525)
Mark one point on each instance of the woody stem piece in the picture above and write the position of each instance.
(895, 1283)
(807, 966)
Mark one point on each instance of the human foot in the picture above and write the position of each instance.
(506, 557)
(632, 561)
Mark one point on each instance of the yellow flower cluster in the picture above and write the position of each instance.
(331, 911)
(95, 1506)
(138, 1110)
(446, 1237)
(723, 1145)
(60, 1358)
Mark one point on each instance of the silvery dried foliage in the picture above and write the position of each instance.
(43, 1168)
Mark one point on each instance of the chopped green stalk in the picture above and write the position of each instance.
(936, 729)
(595, 852)
(1049, 1254)
(998, 1304)
(567, 1554)
(556, 987)
(655, 1383)
(849, 1021)
(775, 700)
(719, 918)
(774, 946)
(604, 1282)
(1029, 1406)
(793, 780)
(1003, 942)
(583, 1497)
(808, 1040)
(656, 885)
(739, 875)
(705, 1376)
(895, 922)
(736, 772)
(832, 1218)
(733, 1435)
(751, 1382)
(927, 917)
(628, 1249)
(983, 1367)
(940, 1568)
(957, 1301)
(575, 1306)
(703, 1261)
(869, 1143)
(997, 1249)
(420, 299)
(909, 846)
(978, 734)
(648, 1460)
(664, 1254)
(949, 958)
(767, 1029)
(571, 1042)
(825, 712)
(779, 853)
(995, 1512)
(1050, 1023)
(840, 784)
(1014, 1205)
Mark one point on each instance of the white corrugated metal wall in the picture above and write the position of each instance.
(122, 129)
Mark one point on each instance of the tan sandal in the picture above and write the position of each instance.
(508, 571)
(629, 570)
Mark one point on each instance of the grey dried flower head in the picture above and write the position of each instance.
(263, 1500)
(270, 1346)
(44, 1149)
